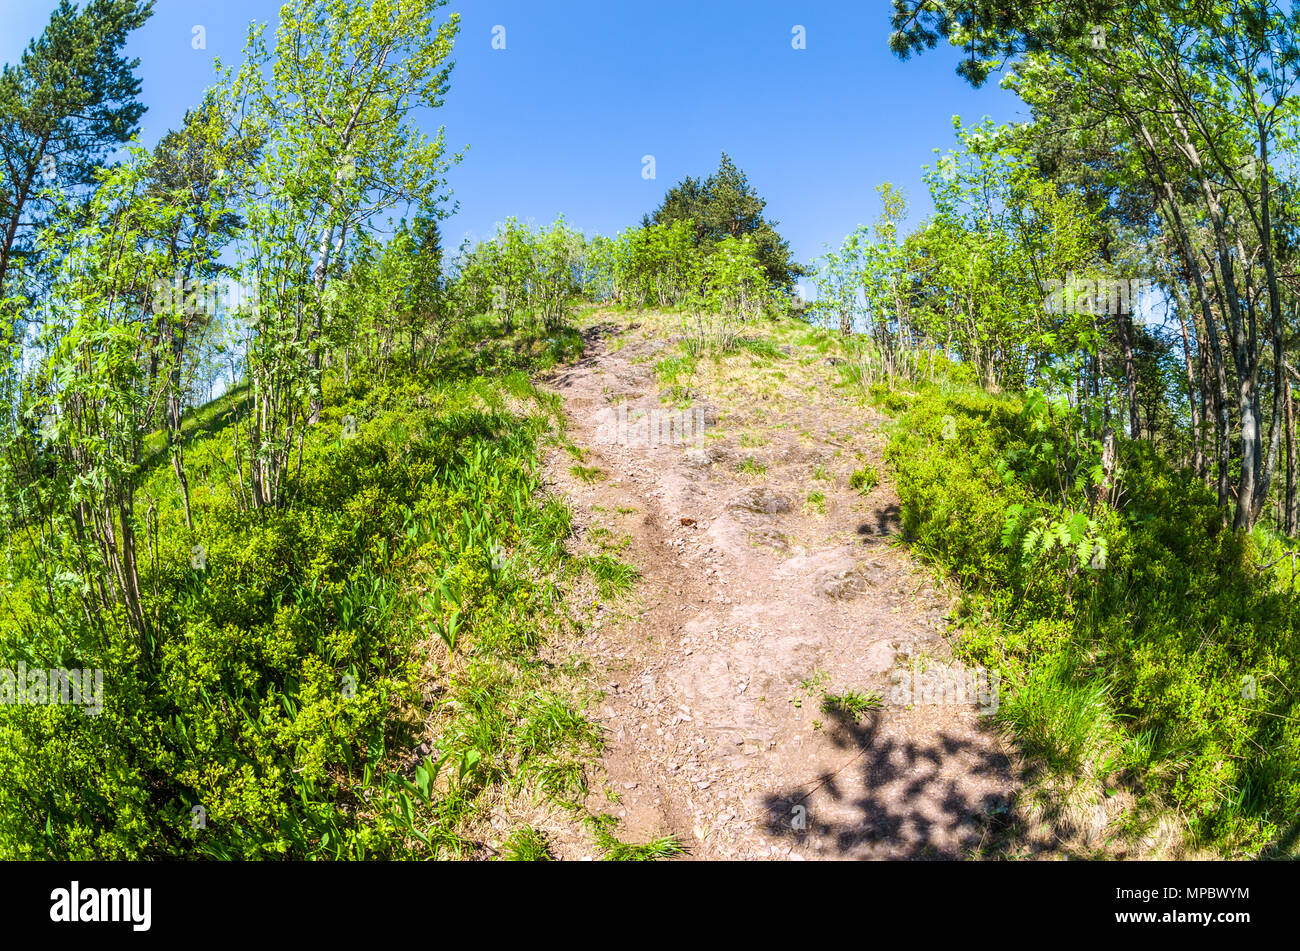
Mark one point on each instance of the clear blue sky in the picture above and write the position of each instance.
(560, 119)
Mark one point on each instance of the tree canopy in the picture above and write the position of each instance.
(726, 205)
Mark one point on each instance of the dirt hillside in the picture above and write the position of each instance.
(769, 588)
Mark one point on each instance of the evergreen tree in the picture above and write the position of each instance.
(66, 104)
(726, 205)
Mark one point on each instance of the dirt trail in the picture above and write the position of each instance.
(752, 605)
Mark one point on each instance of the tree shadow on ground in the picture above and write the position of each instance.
(887, 521)
(909, 809)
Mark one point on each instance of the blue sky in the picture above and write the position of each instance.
(558, 121)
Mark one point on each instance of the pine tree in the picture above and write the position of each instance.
(726, 205)
(68, 102)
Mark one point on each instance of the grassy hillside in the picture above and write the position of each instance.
(355, 676)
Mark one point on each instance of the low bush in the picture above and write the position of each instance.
(1138, 640)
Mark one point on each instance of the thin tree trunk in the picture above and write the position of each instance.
(1292, 510)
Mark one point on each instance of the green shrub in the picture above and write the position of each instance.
(1172, 657)
(293, 667)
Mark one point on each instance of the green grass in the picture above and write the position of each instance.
(851, 704)
(616, 850)
(864, 479)
(587, 474)
(674, 374)
(763, 348)
(612, 577)
(1063, 721)
(526, 845)
(199, 422)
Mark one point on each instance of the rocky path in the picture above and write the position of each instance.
(768, 584)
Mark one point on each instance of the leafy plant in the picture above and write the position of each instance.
(864, 479)
(618, 851)
(850, 703)
(526, 845)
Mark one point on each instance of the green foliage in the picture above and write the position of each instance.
(1168, 659)
(725, 207)
(850, 704)
(68, 102)
(522, 272)
(732, 280)
(545, 272)
(618, 851)
(283, 678)
(864, 478)
(654, 265)
(333, 152)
